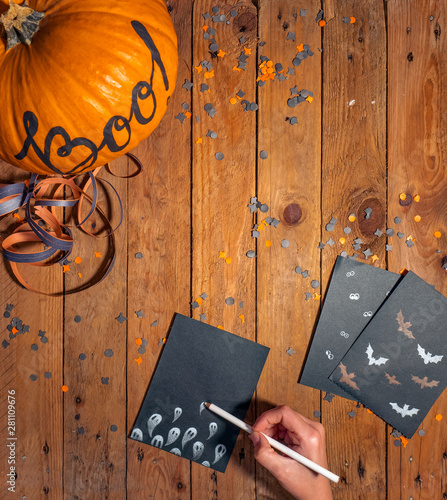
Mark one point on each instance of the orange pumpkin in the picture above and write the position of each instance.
(82, 81)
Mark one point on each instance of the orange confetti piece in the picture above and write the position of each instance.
(205, 27)
(222, 255)
(403, 271)
(235, 68)
(309, 98)
(247, 51)
(220, 327)
(138, 360)
(164, 340)
(221, 53)
(300, 47)
(14, 330)
(438, 417)
(403, 196)
(352, 20)
(97, 254)
(437, 234)
(65, 268)
(351, 218)
(322, 23)
(79, 275)
(268, 243)
(374, 258)
(209, 74)
(317, 296)
(228, 260)
(199, 141)
(187, 114)
(17, 216)
(242, 318)
(342, 240)
(417, 198)
(404, 441)
(78, 260)
(417, 218)
(199, 301)
(368, 410)
(64, 388)
(138, 341)
(269, 64)
(198, 68)
(233, 100)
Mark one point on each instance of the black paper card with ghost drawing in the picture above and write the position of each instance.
(355, 292)
(199, 363)
(398, 365)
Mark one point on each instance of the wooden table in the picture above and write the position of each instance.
(374, 129)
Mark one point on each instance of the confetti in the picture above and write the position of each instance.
(108, 353)
(314, 283)
(250, 254)
(138, 255)
(64, 388)
(229, 301)
(219, 156)
(105, 380)
(352, 413)
(121, 318)
(140, 313)
(82, 356)
(285, 243)
(437, 234)
(77, 319)
(417, 218)
(329, 397)
(378, 233)
(290, 351)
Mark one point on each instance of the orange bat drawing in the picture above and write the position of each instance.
(423, 382)
(403, 326)
(392, 379)
(347, 378)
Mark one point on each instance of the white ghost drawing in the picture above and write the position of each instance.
(176, 451)
(137, 434)
(190, 433)
(213, 429)
(219, 452)
(173, 434)
(197, 450)
(177, 413)
(157, 441)
(152, 422)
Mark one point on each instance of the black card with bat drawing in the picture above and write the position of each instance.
(355, 293)
(199, 363)
(398, 365)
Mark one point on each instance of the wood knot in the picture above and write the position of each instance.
(405, 201)
(46, 448)
(292, 214)
(245, 22)
(410, 57)
(370, 216)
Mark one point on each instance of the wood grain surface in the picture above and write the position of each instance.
(372, 130)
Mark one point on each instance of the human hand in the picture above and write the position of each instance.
(301, 435)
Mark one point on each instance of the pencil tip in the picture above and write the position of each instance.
(207, 405)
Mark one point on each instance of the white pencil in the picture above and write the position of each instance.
(274, 444)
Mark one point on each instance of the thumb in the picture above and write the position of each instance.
(265, 454)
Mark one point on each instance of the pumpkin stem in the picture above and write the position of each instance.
(20, 23)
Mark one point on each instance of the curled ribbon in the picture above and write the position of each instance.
(40, 198)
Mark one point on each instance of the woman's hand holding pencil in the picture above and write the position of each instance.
(303, 436)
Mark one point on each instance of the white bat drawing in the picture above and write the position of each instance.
(373, 361)
(427, 356)
(405, 410)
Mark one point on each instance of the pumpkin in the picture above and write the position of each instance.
(82, 81)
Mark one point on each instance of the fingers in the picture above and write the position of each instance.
(302, 434)
(283, 418)
(267, 456)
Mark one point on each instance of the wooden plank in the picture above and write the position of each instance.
(38, 403)
(354, 178)
(417, 115)
(289, 183)
(94, 356)
(221, 220)
(159, 281)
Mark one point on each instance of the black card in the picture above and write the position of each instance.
(355, 293)
(199, 363)
(398, 366)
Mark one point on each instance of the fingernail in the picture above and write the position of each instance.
(255, 438)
